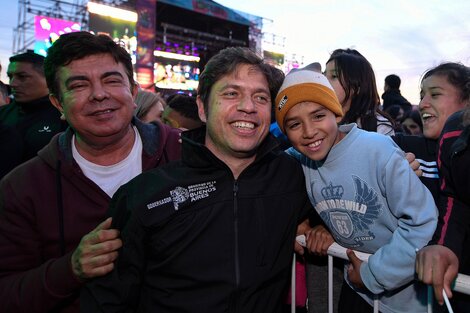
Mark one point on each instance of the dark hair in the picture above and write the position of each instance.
(185, 105)
(394, 111)
(415, 116)
(393, 81)
(226, 62)
(457, 75)
(78, 45)
(36, 60)
(466, 116)
(357, 78)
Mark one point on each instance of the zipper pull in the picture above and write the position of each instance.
(235, 189)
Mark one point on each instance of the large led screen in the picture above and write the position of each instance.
(48, 29)
(175, 71)
(120, 30)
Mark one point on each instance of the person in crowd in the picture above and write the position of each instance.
(150, 106)
(181, 112)
(214, 232)
(392, 95)
(439, 263)
(412, 123)
(30, 113)
(396, 113)
(442, 94)
(53, 233)
(4, 91)
(353, 80)
(363, 200)
(4, 94)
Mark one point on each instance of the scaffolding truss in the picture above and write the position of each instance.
(72, 10)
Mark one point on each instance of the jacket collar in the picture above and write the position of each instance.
(152, 139)
(195, 152)
(35, 105)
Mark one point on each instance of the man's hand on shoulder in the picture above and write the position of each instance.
(96, 252)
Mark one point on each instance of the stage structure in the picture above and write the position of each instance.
(170, 41)
(56, 16)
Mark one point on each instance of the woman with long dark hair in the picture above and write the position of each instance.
(353, 80)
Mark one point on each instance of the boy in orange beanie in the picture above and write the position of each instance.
(359, 183)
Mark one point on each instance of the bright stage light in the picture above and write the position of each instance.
(113, 12)
(176, 56)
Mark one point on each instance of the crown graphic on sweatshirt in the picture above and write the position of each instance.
(332, 192)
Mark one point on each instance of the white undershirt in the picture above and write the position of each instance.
(111, 177)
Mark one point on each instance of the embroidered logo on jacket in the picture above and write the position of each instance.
(350, 220)
(180, 195)
(45, 129)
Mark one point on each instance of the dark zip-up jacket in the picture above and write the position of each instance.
(199, 240)
(36, 123)
(394, 97)
(454, 166)
(46, 206)
(453, 227)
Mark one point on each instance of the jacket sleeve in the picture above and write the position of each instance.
(27, 281)
(393, 265)
(119, 290)
(454, 215)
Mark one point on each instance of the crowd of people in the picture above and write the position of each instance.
(117, 199)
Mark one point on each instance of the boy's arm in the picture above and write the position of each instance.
(393, 265)
(119, 290)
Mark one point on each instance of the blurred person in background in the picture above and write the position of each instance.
(353, 80)
(412, 123)
(4, 92)
(31, 112)
(392, 94)
(149, 106)
(396, 113)
(181, 112)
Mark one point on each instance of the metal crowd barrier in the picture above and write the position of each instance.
(461, 284)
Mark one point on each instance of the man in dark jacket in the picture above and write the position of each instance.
(392, 95)
(30, 113)
(50, 244)
(215, 231)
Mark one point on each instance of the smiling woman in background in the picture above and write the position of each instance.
(447, 88)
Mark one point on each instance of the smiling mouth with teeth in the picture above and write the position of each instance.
(426, 116)
(244, 125)
(104, 112)
(315, 144)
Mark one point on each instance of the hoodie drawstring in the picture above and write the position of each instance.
(60, 207)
